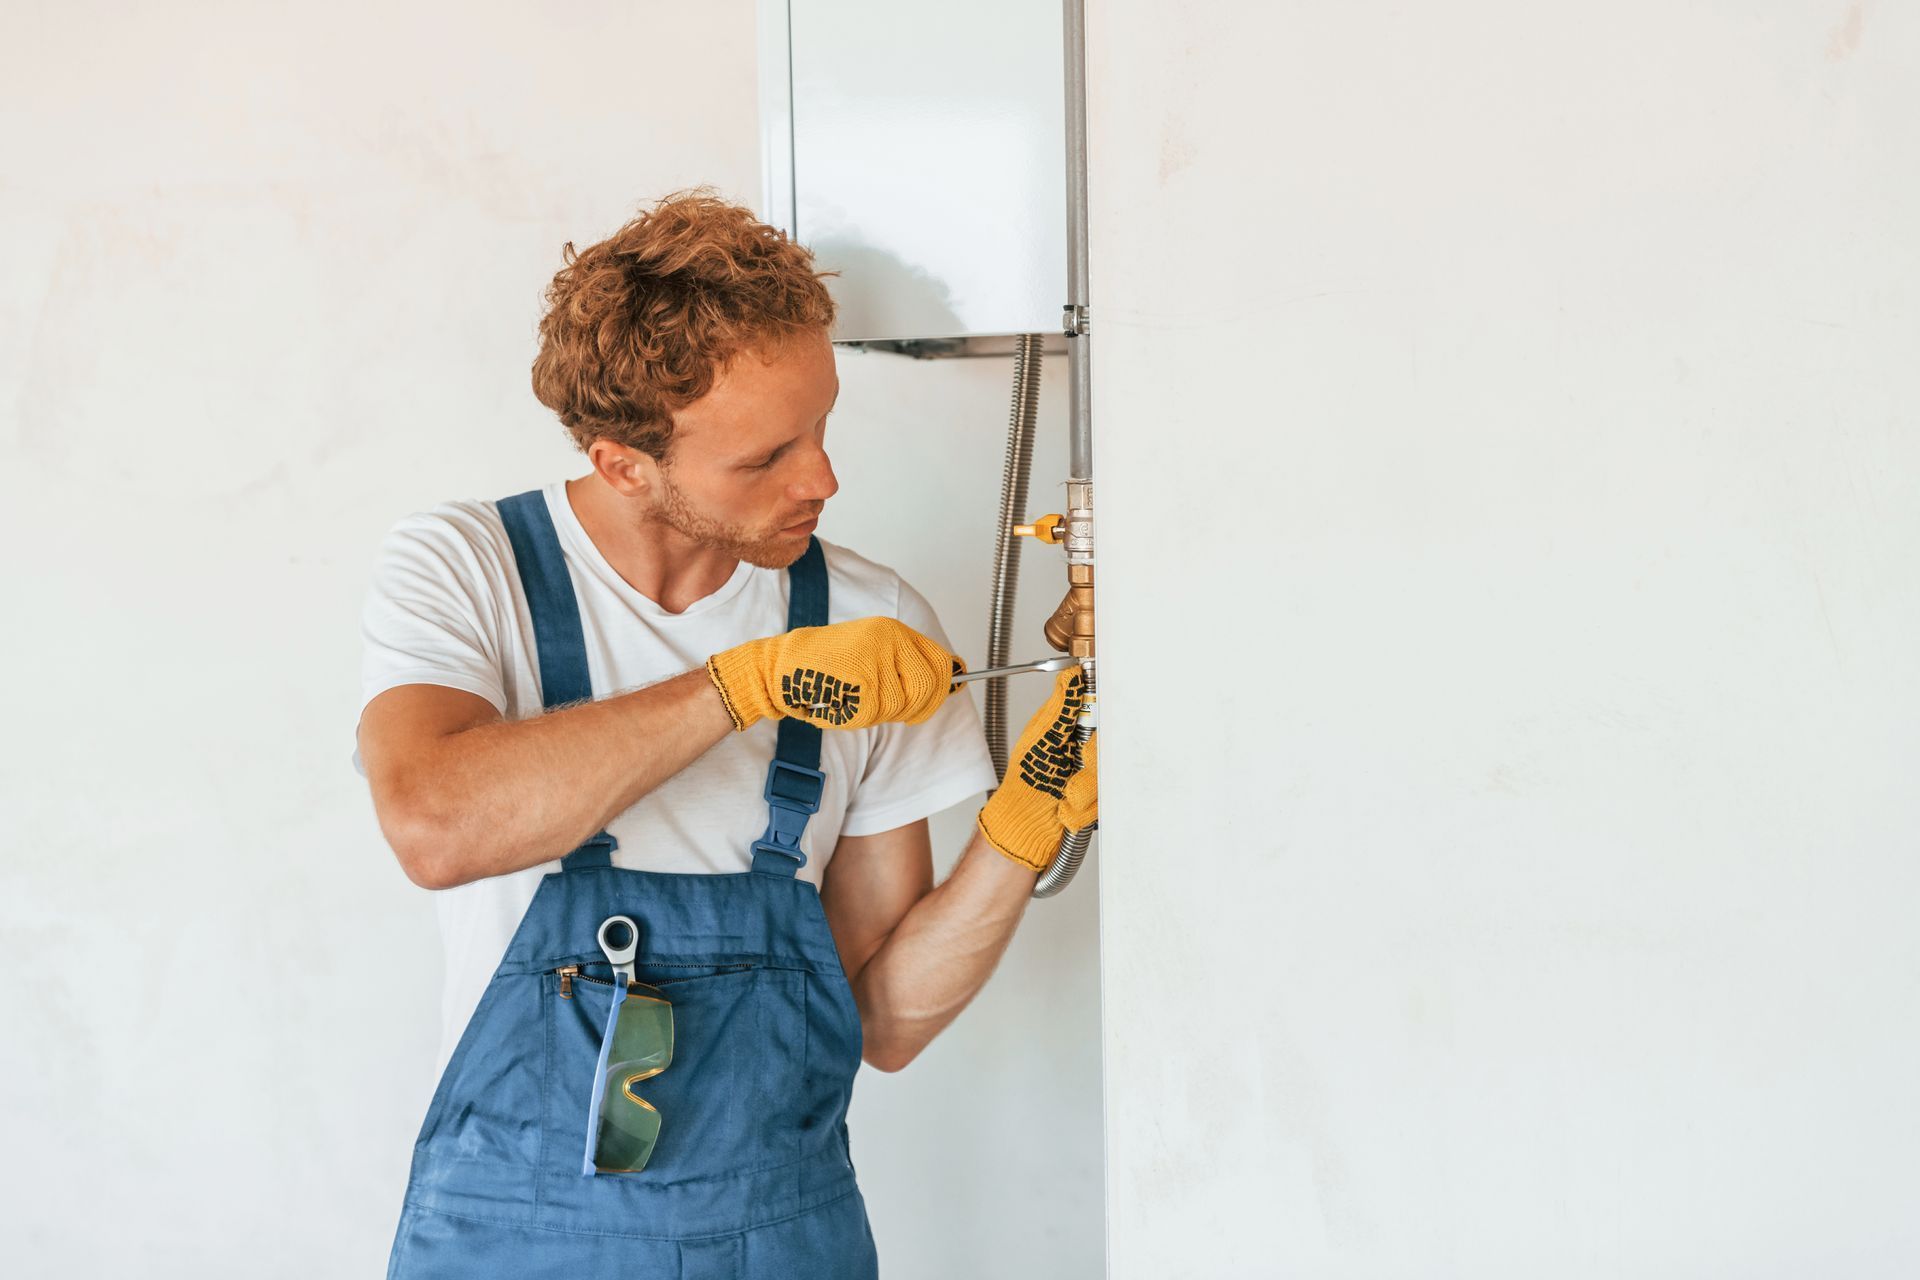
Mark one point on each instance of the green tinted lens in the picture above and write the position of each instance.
(642, 1048)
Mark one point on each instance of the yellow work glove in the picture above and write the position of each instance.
(1052, 784)
(866, 672)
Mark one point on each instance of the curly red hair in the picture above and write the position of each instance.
(642, 323)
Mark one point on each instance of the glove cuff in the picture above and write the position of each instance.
(1028, 833)
(736, 674)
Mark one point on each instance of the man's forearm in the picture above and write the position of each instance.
(940, 954)
(514, 794)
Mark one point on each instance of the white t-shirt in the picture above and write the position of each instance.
(445, 607)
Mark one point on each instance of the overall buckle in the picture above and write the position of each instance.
(793, 796)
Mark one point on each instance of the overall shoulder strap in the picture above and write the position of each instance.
(559, 642)
(794, 779)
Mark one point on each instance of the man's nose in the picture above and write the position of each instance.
(817, 483)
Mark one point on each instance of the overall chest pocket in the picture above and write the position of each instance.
(728, 1101)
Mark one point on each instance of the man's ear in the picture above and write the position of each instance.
(628, 472)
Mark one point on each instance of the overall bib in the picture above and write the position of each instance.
(752, 1176)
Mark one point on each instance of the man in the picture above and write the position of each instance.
(738, 731)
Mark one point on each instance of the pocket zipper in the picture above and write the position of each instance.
(571, 971)
(568, 972)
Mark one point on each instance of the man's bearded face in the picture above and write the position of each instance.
(765, 547)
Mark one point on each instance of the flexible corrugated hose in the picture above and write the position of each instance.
(1006, 547)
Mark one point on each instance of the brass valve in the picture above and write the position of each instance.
(1046, 529)
(1070, 629)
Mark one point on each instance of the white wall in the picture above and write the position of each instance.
(268, 281)
(1509, 500)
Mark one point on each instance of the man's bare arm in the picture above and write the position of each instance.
(917, 955)
(462, 794)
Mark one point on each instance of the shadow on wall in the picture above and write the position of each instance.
(884, 296)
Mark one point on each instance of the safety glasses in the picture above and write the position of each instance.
(623, 1127)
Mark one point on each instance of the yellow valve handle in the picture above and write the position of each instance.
(1051, 785)
(1046, 529)
(849, 675)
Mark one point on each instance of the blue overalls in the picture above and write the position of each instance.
(752, 1176)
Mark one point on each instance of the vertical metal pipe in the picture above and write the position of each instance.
(1074, 845)
(1079, 371)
